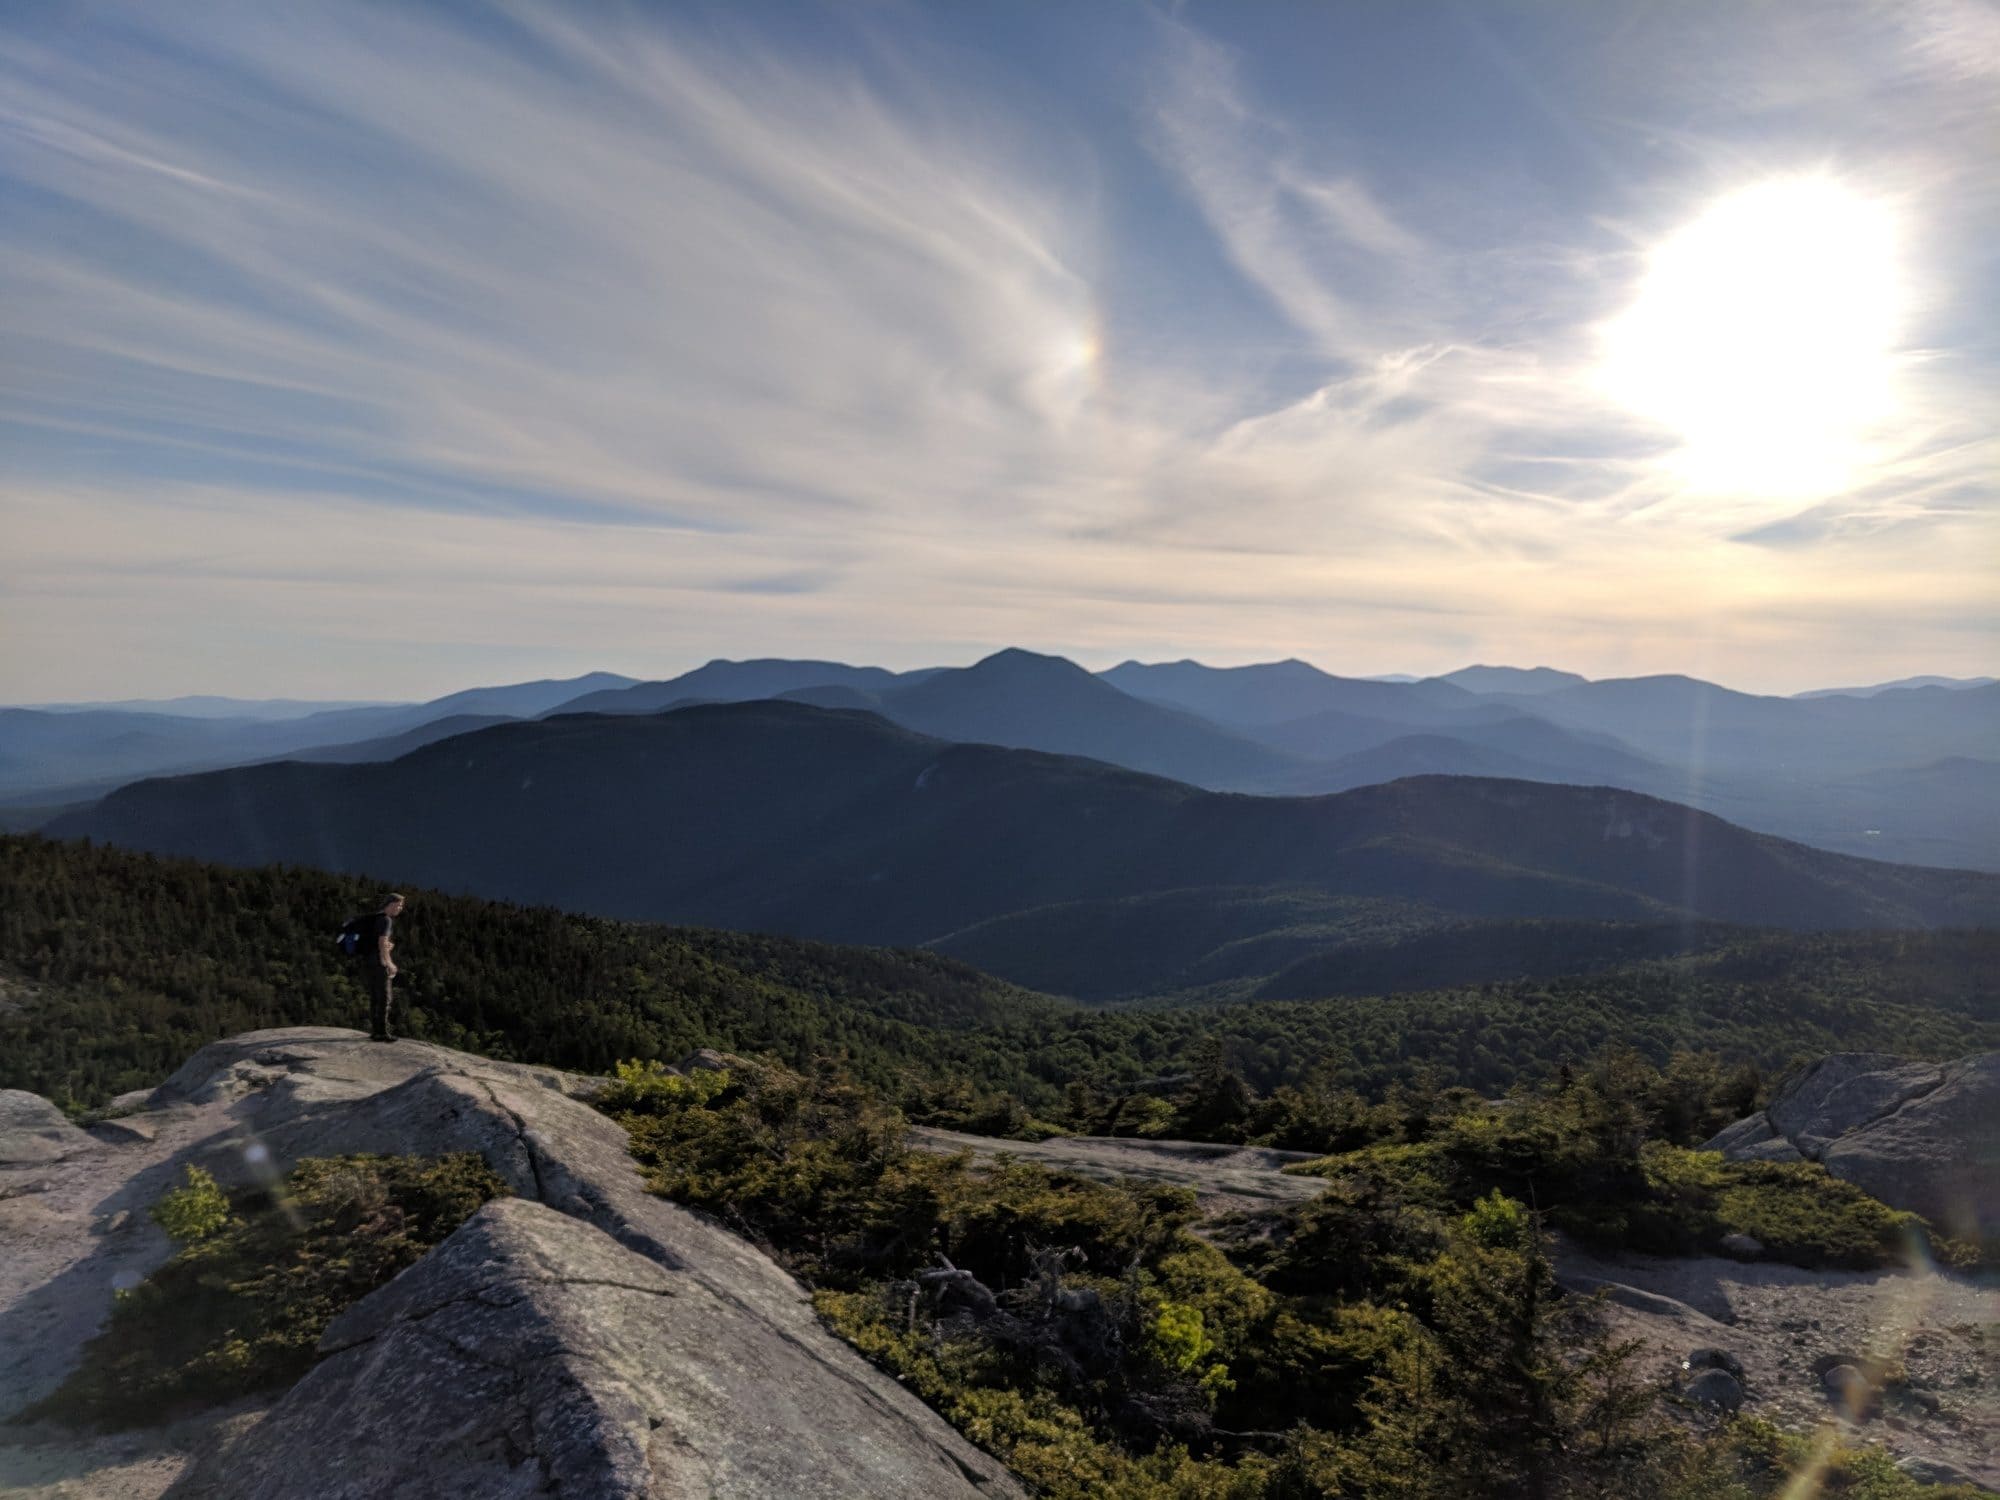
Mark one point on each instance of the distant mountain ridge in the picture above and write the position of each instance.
(393, 746)
(1899, 685)
(1027, 701)
(523, 700)
(839, 825)
(209, 706)
(1278, 692)
(1014, 698)
(722, 681)
(48, 750)
(1856, 774)
(1483, 679)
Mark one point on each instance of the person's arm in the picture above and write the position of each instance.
(383, 945)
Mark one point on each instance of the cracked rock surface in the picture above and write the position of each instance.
(535, 1355)
(584, 1339)
(1224, 1178)
(1919, 1136)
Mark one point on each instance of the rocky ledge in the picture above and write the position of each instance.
(582, 1339)
(1917, 1135)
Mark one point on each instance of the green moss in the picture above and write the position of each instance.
(242, 1306)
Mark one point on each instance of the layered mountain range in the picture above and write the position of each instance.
(1062, 872)
(1906, 772)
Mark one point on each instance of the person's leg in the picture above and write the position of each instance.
(378, 1001)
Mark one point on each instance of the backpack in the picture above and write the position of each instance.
(351, 936)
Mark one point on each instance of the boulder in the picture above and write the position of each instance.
(1919, 1136)
(1937, 1154)
(1742, 1246)
(34, 1133)
(587, 1338)
(1754, 1138)
(1849, 1390)
(125, 1132)
(1619, 1294)
(1845, 1092)
(1713, 1359)
(1716, 1388)
(531, 1354)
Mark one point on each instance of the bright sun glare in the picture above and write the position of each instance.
(1764, 335)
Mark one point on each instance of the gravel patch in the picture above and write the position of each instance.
(1926, 1342)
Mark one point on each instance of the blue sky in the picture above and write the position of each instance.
(372, 351)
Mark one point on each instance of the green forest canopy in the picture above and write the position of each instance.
(115, 967)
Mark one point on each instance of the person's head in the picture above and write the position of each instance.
(392, 905)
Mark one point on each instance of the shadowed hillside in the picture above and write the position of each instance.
(836, 825)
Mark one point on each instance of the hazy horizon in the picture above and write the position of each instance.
(1093, 665)
(364, 352)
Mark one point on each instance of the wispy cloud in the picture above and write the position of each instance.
(539, 329)
(1515, 430)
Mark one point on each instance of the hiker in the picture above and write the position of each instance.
(378, 967)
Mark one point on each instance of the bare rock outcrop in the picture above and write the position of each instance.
(531, 1354)
(586, 1338)
(1919, 1136)
(33, 1132)
(1754, 1138)
(1223, 1177)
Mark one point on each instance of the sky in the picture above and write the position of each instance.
(378, 351)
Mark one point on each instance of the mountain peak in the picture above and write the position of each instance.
(1483, 678)
(1016, 661)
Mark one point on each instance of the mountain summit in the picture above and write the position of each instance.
(1027, 701)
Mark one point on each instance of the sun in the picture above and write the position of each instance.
(1765, 336)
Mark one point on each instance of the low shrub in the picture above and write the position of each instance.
(194, 1211)
(1048, 1441)
(1398, 1336)
(650, 1087)
(819, 1171)
(242, 1306)
(1798, 1211)
(1581, 1154)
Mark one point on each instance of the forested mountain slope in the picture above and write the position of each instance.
(836, 825)
(115, 967)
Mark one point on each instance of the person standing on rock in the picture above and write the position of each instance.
(378, 965)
